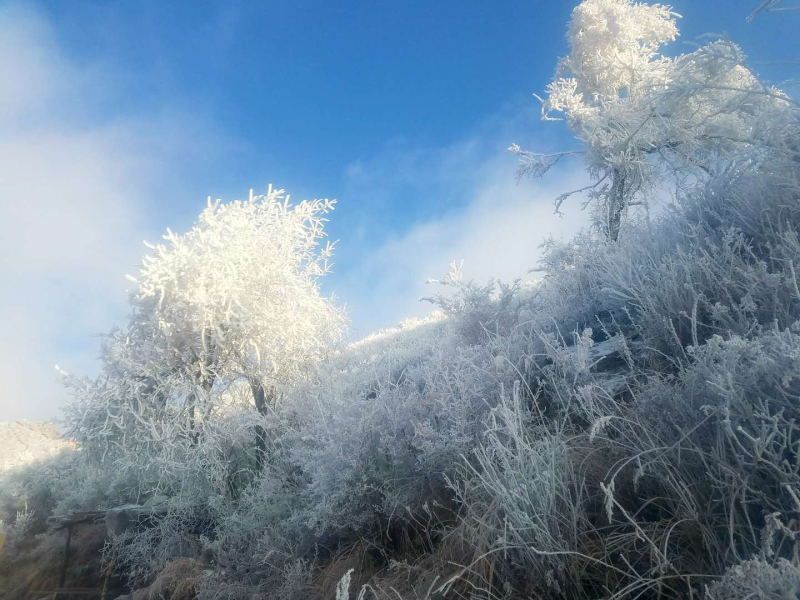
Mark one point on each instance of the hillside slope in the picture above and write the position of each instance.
(26, 442)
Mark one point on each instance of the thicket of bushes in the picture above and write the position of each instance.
(629, 427)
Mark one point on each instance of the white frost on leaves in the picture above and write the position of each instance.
(238, 294)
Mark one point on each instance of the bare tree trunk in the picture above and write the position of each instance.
(192, 425)
(615, 205)
(206, 383)
(264, 400)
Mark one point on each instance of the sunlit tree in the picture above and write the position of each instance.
(642, 115)
(237, 295)
(234, 299)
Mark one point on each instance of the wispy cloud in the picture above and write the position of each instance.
(486, 218)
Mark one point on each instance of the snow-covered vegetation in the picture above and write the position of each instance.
(23, 443)
(627, 427)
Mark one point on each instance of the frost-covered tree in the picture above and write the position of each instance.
(233, 300)
(237, 295)
(641, 114)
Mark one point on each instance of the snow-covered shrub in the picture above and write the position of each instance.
(727, 431)
(12, 533)
(384, 420)
(366, 445)
(171, 532)
(757, 580)
(64, 483)
(721, 261)
(519, 497)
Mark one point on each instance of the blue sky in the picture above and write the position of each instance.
(117, 119)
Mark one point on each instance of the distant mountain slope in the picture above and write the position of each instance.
(25, 442)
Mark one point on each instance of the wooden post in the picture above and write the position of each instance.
(104, 592)
(63, 577)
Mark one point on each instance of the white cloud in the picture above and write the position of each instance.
(73, 214)
(29, 71)
(497, 230)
